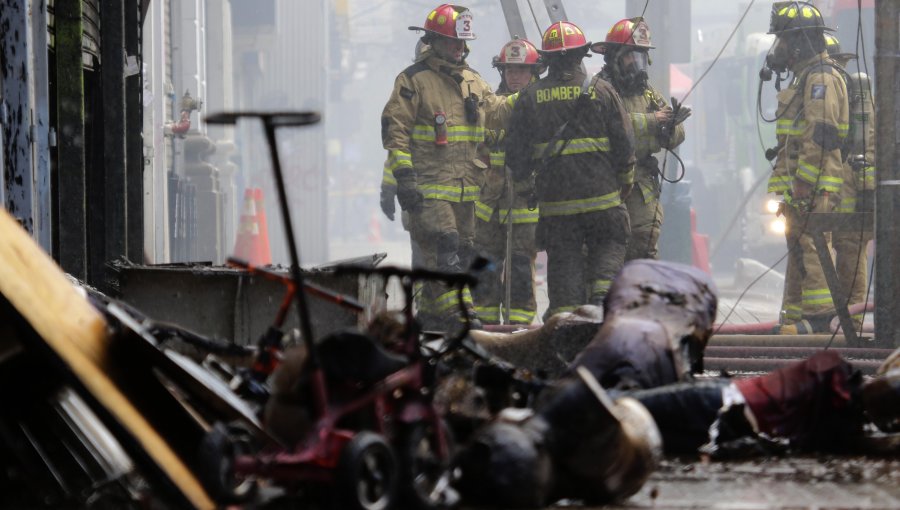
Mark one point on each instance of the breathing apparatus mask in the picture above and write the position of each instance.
(778, 60)
(634, 66)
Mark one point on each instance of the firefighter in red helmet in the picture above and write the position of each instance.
(570, 135)
(626, 52)
(431, 127)
(505, 226)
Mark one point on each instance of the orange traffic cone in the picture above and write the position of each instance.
(265, 251)
(248, 245)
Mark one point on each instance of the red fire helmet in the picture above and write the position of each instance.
(633, 33)
(563, 36)
(451, 21)
(517, 52)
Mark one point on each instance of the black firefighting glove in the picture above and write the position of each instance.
(681, 112)
(387, 203)
(408, 194)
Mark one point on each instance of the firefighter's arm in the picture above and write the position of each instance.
(497, 109)
(397, 121)
(619, 130)
(824, 105)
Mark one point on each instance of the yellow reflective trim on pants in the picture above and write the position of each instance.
(585, 205)
(830, 184)
(471, 193)
(483, 211)
(520, 216)
(574, 146)
(807, 172)
(843, 130)
(794, 312)
(488, 313)
(498, 159)
(647, 192)
(561, 309)
(600, 287)
(450, 193)
(866, 177)
(446, 302)
(848, 204)
(816, 297)
(454, 133)
(521, 316)
(779, 184)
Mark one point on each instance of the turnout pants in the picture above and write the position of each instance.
(850, 261)
(646, 216)
(584, 253)
(806, 293)
(444, 232)
(490, 241)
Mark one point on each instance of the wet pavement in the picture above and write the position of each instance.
(775, 483)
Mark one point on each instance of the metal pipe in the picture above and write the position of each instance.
(757, 365)
(754, 351)
(779, 340)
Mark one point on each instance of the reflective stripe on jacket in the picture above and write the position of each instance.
(594, 159)
(811, 128)
(430, 87)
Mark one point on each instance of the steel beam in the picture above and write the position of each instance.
(555, 10)
(134, 140)
(114, 175)
(39, 85)
(71, 155)
(887, 191)
(513, 19)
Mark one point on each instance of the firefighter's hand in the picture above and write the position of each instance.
(801, 189)
(388, 206)
(408, 195)
(625, 190)
(663, 117)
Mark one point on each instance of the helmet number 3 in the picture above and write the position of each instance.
(464, 25)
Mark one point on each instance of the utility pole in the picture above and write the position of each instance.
(887, 191)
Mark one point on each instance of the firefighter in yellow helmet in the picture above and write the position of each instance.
(431, 127)
(812, 123)
(571, 135)
(502, 206)
(626, 52)
(858, 188)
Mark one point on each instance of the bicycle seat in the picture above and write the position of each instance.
(355, 358)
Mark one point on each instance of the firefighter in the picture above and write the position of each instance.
(626, 53)
(519, 64)
(572, 136)
(858, 187)
(431, 127)
(812, 122)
